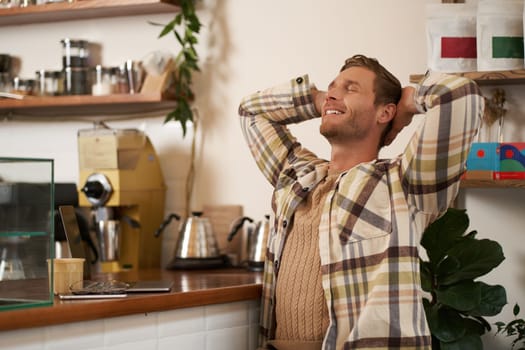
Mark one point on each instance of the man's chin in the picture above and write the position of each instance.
(328, 132)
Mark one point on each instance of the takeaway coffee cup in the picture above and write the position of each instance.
(66, 271)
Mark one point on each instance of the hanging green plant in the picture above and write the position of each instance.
(185, 27)
(458, 303)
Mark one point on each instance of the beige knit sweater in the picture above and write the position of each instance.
(301, 311)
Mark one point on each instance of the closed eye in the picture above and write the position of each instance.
(352, 86)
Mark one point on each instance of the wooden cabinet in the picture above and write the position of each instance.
(84, 104)
(490, 78)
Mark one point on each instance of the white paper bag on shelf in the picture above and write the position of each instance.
(500, 35)
(451, 37)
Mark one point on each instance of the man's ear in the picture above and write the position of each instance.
(387, 113)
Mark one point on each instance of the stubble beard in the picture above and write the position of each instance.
(341, 132)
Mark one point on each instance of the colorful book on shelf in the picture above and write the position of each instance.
(509, 175)
(482, 161)
(512, 161)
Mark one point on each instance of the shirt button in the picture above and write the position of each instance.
(299, 80)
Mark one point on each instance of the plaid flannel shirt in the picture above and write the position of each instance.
(373, 218)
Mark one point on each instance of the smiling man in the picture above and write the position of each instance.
(342, 267)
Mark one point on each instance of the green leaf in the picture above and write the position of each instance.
(483, 322)
(474, 327)
(426, 276)
(500, 325)
(463, 296)
(516, 309)
(476, 258)
(193, 23)
(442, 234)
(178, 19)
(445, 324)
(471, 234)
(447, 266)
(179, 38)
(467, 342)
(168, 27)
(492, 301)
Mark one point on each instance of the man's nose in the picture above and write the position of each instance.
(333, 94)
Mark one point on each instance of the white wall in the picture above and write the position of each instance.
(246, 45)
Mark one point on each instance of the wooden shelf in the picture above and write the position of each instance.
(84, 9)
(85, 105)
(487, 78)
(492, 184)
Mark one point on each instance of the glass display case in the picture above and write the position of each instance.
(26, 232)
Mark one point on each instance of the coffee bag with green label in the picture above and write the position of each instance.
(500, 35)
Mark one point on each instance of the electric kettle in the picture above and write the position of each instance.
(255, 240)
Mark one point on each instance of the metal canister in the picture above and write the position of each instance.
(75, 53)
(76, 81)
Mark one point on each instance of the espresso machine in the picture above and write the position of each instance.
(120, 180)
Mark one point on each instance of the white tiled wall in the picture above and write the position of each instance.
(231, 326)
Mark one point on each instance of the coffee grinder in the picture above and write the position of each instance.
(121, 181)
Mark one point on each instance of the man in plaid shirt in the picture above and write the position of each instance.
(342, 267)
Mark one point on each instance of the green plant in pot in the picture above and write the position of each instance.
(457, 302)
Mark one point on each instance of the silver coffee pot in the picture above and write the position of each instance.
(196, 245)
(255, 240)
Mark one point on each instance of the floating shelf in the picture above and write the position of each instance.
(84, 9)
(492, 184)
(85, 105)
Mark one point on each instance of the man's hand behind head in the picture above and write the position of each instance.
(406, 108)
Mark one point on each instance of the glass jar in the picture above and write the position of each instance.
(119, 82)
(6, 83)
(101, 81)
(75, 53)
(50, 83)
(26, 3)
(24, 86)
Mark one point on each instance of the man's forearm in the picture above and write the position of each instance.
(287, 103)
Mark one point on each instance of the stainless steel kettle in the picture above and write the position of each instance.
(197, 245)
(255, 241)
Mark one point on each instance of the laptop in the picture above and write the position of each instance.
(76, 247)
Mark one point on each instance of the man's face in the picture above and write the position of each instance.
(348, 110)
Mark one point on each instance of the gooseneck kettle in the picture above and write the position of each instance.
(255, 240)
(196, 245)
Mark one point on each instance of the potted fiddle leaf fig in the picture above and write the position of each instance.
(457, 302)
(185, 26)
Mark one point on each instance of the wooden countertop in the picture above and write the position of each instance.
(190, 288)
